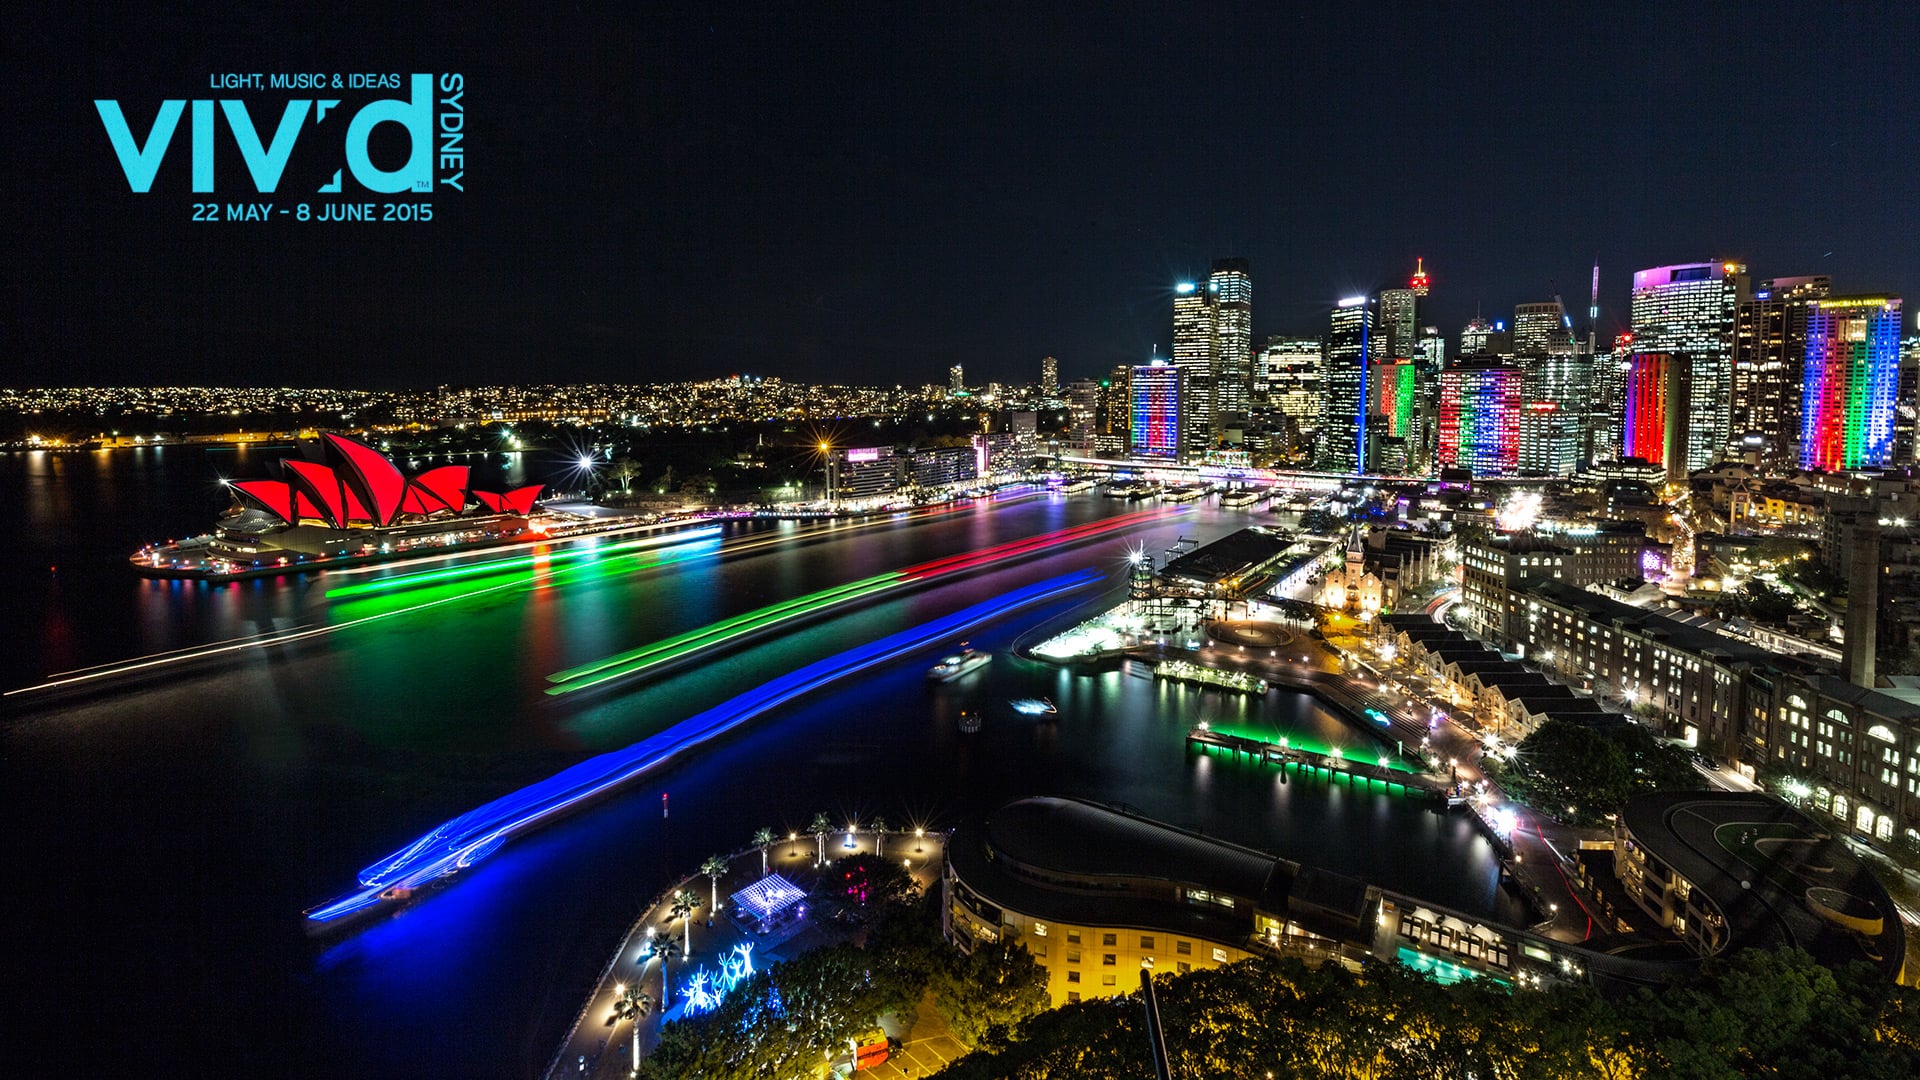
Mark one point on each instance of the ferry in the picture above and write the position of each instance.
(1076, 487)
(1243, 497)
(1183, 494)
(958, 664)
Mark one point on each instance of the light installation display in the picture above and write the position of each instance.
(1480, 419)
(1156, 411)
(1395, 386)
(680, 646)
(471, 837)
(1645, 407)
(1852, 374)
(704, 993)
(366, 489)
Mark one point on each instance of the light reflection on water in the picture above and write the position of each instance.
(223, 800)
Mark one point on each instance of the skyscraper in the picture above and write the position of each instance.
(1291, 370)
(1195, 346)
(1654, 417)
(1606, 412)
(1852, 374)
(1155, 391)
(1687, 310)
(1049, 377)
(1231, 290)
(1083, 401)
(1113, 413)
(1348, 352)
(1484, 338)
(1480, 418)
(1539, 329)
(956, 381)
(1769, 351)
(1556, 373)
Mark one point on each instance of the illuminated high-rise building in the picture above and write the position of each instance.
(1539, 329)
(1290, 367)
(1392, 386)
(1049, 377)
(1688, 310)
(1483, 338)
(1655, 423)
(1154, 392)
(1231, 289)
(1479, 425)
(1083, 401)
(1769, 351)
(1852, 375)
(1345, 398)
(1195, 347)
(1906, 405)
(1400, 316)
(1113, 413)
(956, 381)
(1606, 409)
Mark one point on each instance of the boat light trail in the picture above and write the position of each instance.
(519, 562)
(285, 637)
(680, 646)
(472, 836)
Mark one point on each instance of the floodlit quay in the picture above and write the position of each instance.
(774, 913)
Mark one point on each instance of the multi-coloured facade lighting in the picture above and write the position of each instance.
(1647, 408)
(1852, 375)
(1480, 418)
(1155, 391)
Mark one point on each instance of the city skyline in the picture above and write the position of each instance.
(795, 195)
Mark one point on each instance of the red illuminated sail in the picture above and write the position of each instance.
(371, 476)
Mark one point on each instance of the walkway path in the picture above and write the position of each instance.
(601, 1048)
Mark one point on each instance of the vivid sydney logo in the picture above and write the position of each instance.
(429, 123)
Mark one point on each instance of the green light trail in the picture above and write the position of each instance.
(681, 645)
(511, 564)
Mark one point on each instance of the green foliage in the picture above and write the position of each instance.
(985, 994)
(1581, 775)
(1762, 1014)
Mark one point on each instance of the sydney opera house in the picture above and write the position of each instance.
(346, 503)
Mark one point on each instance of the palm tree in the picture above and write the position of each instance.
(820, 828)
(879, 837)
(715, 866)
(763, 839)
(632, 1004)
(685, 902)
(667, 951)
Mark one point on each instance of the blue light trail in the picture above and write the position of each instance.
(465, 840)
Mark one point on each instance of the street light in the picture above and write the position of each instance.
(919, 835)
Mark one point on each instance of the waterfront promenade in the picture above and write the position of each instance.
(601, 1047)
(1537, 854)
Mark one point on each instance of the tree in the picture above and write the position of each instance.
(763, 839)
(624, 470)
(633, 1004)
(989, 990)
(666, 951)
(714, 867)
(685, 902)
(870, 881)
(821, 826)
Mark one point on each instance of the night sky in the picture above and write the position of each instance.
(854, 193)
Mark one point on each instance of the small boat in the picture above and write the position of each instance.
(958, 664)
(1243, 497)
(969, 721)
(1027, 706)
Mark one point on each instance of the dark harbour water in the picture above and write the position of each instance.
(166, 834)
